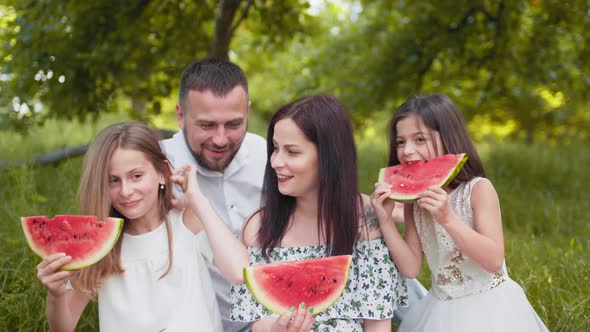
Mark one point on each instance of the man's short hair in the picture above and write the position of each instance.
(217, 75)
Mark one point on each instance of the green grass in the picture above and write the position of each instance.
(543, 193)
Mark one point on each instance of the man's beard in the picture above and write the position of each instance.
(217, 166)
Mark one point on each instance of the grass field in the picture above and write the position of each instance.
(543, 192)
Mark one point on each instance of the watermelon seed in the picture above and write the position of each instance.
(313, 290)
(335, 281)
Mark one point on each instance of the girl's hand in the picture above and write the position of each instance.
(436, 201)
(381, 203)
(186, 178)
(51, 277)
(298, 321)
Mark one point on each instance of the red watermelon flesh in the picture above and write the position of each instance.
(410, 179)
(316, 282)
(83, 238)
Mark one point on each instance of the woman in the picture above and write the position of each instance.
(312, 208)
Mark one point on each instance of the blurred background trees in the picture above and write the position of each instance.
(517, 69)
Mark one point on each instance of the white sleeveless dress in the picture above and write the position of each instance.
(138, 300)
(464, 296)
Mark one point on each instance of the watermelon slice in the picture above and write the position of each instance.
(410, 179)
(82, 237)
(316, 282)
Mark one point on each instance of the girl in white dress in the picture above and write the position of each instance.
(155, 278)
(458, 228)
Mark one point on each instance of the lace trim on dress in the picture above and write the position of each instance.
(454, 275)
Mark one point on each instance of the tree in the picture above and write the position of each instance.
(77, 59)
(499, 60)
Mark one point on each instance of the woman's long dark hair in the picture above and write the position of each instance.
(439, 113)
(325, 123)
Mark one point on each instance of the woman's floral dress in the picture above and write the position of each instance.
(374, 290)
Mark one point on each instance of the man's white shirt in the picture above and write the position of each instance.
(234, 194)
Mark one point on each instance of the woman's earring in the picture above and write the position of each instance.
(161, 186)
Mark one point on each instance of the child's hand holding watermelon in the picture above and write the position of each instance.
(383, 206)
(50, 275)
(436, 201)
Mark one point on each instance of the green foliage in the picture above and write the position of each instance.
(72, 59)
(519, 62)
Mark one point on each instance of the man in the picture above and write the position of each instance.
(212, 115)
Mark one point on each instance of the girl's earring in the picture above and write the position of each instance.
(161, 187)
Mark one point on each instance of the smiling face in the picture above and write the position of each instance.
(134, 185)
(415, 141)
(214, 126)
(295, 160)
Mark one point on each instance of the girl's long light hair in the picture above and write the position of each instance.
(94, 198)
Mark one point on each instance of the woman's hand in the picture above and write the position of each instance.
(381, 203)
(51, 277)
(300, 320)
(436, 201)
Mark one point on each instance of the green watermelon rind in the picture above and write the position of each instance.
(456, 170)
(412, 197)
(107, 246)
(277, 309)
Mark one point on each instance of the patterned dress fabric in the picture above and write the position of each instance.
(374, 290)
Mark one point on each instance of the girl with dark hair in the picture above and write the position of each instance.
(312, 208)
(458, 228)
(155, 278)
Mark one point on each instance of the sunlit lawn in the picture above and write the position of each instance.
(543, 193)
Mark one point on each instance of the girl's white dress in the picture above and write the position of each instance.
(374, 290)
(138, 300)
(465, 297)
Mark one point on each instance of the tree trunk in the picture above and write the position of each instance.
(225, 26)
(64, 153)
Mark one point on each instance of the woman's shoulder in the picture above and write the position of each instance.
(368, 224)
(250, 229)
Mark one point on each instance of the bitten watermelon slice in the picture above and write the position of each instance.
(316, 282)
(410, 179)
(83, 238)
